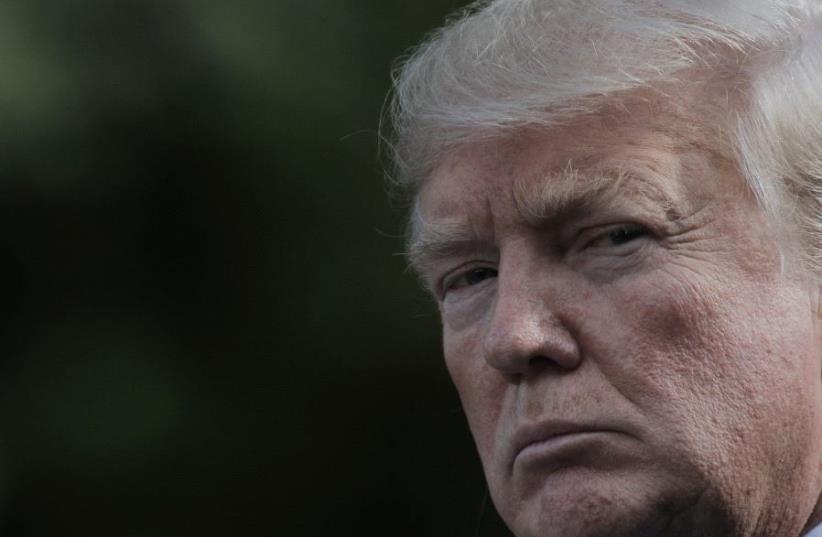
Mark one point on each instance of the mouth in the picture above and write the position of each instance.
(555, 444)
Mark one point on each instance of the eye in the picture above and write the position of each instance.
(626, 234)
(618, 236)
(468, 278)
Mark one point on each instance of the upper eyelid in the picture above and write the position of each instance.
(460, 271)
(590, 233)
(435, 248)
(607, 230)
(436, 278)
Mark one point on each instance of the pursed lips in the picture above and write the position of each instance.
(529, 437)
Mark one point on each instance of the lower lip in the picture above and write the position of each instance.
(585, 447)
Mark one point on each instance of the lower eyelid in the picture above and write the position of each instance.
(597, 236)
(461, 272)
(468, 292)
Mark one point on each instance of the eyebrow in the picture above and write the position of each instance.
(556, 196)
(432, 241)
(559, 194)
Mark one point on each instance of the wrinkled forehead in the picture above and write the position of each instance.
(642, 135)
(690, 112)
(531, 173)
(535, 178)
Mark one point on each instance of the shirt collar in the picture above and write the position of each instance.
(816, 532)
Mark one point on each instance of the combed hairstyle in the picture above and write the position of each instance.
(502, 65)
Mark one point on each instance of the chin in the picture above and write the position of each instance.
(580, 503)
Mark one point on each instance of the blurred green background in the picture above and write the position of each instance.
(206, 328)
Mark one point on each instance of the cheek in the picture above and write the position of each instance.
(722, 341)
(702, 358)
(664, 342)
(480, 387)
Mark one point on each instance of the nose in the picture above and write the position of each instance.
(528, 334)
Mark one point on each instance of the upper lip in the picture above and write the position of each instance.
(527, 435)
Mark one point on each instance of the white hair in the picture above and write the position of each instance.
(506, 64)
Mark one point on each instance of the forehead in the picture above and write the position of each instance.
(642, 156)
(563, 164)
(500, 182)
(656, 132)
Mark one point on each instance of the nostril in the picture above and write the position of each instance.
(529, 343)
(542, 363)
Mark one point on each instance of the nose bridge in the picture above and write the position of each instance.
(529, 327)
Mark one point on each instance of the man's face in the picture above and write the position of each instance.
(633, 354)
